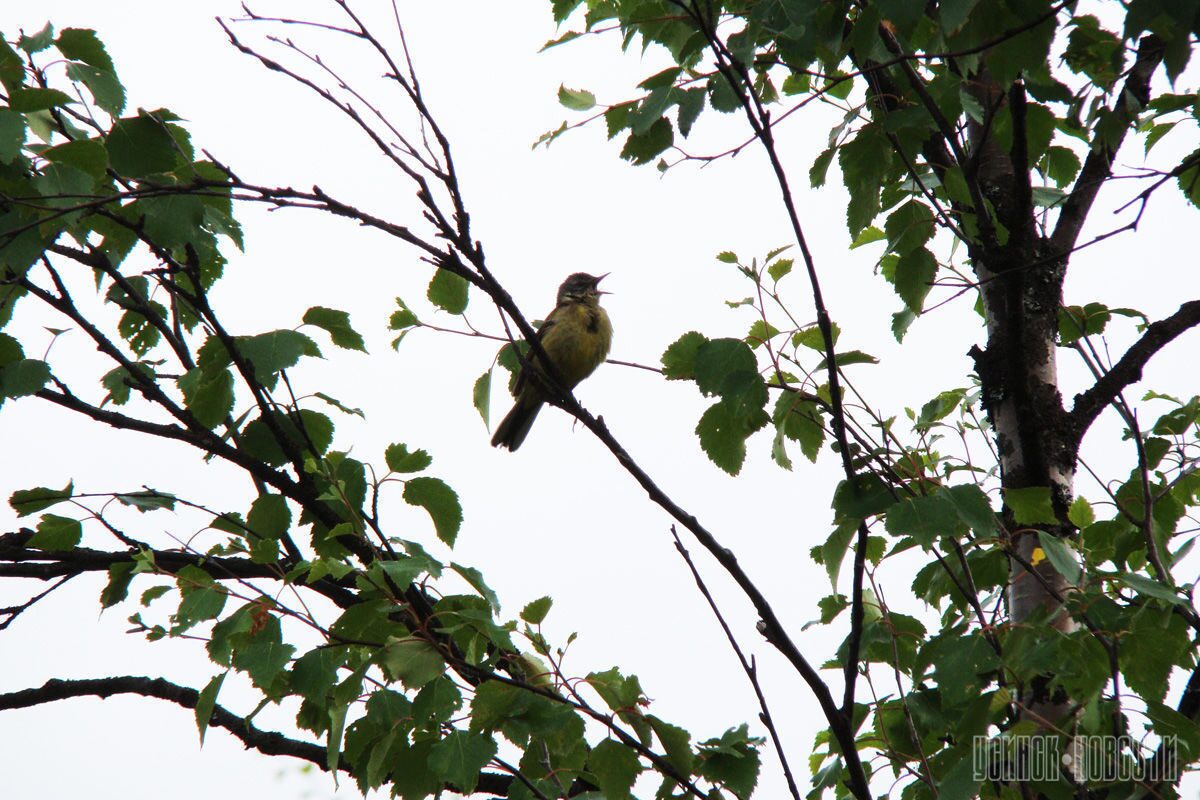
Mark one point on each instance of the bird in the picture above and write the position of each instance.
(576, 337)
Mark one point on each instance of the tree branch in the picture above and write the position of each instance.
(1098, 167)
(1128, 370)
(269, 743)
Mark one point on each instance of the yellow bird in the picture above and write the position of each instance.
(576, 337)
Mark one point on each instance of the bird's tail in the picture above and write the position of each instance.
(515, 427)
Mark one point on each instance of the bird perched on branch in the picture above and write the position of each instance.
(576, 337)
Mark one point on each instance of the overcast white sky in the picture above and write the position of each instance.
(590, 538)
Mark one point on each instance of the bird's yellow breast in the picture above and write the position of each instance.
(579, 339)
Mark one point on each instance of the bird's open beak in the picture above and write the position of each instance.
(597, 283)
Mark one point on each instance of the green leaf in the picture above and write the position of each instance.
(481, 395)
(1149, 587)
(732, 760)
(691, 103)
(723, 433)
(868, 235)
(864, 496)
(1157, 640)
(972, 507)
(333, 742)
(56, 533)
(1061, 555)
(676, 742)
(82, 44)
(909, 227)
(337, 324)
(12, 135)
(448, 291)
(30, 501)
(1061, 165)
(414, 662)
(926, 519)
(799, 419)
(258, 440)
(12, 69)
(915, 272)
(780, 268)
(402, 318)
(679, 360)
(23, 378)
(207, 394)
(615, 768)
(1080, 513)
(576, 99)
(536, 611)
(202, 599)
(865, 160)
(812, 338)
(264, 659)
(37, 42)
(440, 501)
(459, 757)
(269, 519)
(1031, 505)
(106, 89)
(149, 500)
(206, 702)
(142, 145)
(27, 100)
(475, 578)
(722, 364)
(644, 147)
(820, 166)
(120, 575)
(86, 155)
(271, 353)
(399, 459)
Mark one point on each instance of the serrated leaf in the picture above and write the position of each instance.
(399, 459)
(679, 360)
(915, 272)
(972, 507)
(140, 146)
(149, 500)
(337, 324)
(206, 702)
(459, 756)
(413, 662)
(271, 353)
(208, 394)
(29, 100)
(30, 501)
(576, 99)
(56, 533)
(615, 768)
(440, 501)
(120, 575)
(448, 291)
(534, 612)
(1031, 505)
(1080, 513)
(926, 519)
(642, 148)
(23, 378)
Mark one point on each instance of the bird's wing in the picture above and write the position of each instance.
(531, 357)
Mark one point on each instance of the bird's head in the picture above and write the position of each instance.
(580, 286)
